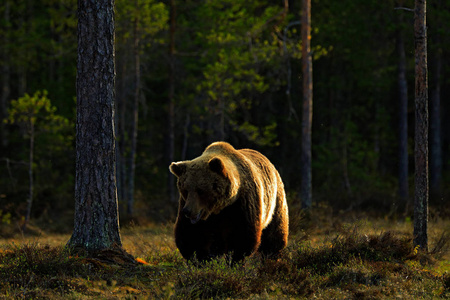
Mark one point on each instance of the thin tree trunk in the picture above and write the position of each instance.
(21, 69)
(421, 128)
(171, 112)
(6, 76)
(345, 174)
(135, 119)
(435, 126)
(30, 178)
(222, 119)
(96, 224)
(185, 137)
(403, 120)
(306, 185)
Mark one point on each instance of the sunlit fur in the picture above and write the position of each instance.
(230, 201)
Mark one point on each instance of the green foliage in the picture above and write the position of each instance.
(265, 136)
(240, 46)
(147, 17)
(237, 67)
(50, 136)
(35, 111)
(5, 217)
(37, 118)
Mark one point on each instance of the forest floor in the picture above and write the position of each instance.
(359, 258)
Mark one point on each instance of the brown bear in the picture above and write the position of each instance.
(231, 201)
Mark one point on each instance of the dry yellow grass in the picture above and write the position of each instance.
(356, 258)
(141, 240)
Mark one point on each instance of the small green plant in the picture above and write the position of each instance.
(34, 114)
(5, 217)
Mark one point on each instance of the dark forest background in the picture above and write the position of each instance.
(223, 70)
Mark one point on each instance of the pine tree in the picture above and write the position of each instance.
(96, 210)
(306, 186)
(421, 128)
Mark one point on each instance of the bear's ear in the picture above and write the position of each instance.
(216, 165)
(177, 168)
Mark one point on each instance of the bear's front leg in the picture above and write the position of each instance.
(200, 240)
(245, 242)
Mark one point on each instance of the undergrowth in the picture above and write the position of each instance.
(351, 265)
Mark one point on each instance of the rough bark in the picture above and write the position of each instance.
(306, 185)
(96, 223)
(421, 127)
(403, 119)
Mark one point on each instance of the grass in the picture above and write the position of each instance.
(333, 259)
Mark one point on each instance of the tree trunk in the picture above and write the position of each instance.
(30, 178)
(21, 68)
(421, 128)
(435, 125)
(345, 162)
(171, 112)
(96, 225)
(403, 120)
(185, 137)
(306, 173)
(6, 76)
(135, 119)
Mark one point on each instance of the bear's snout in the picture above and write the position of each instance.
(186, 212)
(192, 216)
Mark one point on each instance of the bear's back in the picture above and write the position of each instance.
(247, 160)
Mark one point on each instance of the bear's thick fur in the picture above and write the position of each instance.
(231, 201)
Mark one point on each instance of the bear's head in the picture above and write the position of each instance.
(206, 185)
